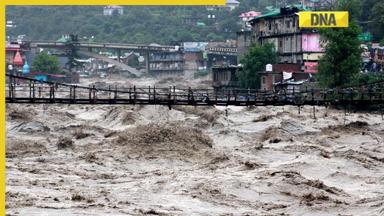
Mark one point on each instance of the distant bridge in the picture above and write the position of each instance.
(87, 49)
(27, 90)
(119, 46)
(131, 47)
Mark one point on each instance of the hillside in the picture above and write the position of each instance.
(146, 24)
(136, 25)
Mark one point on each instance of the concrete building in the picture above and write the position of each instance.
(221, 58)
(293, 44)
(276, 75)
(195, 58)
(225, 77)
(166, 63)
(299, 50)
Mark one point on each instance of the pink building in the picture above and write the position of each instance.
(313, 50)
(311, 43)
(297, 46)
(247, 16)
(310, 67)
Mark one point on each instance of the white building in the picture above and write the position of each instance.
(232, 4)
(229, 5)
(111, 9)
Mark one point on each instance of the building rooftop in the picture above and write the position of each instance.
(18, 60)
(290, 10)
(113, 7)
(223, 67)
(250, 14)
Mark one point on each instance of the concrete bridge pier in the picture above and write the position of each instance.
(147, 61)
(31, 53)
(118, 51)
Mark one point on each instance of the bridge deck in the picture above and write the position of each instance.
(139, 47)
(27, 90)
(133, 47)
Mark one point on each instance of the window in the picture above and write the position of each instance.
(280, 43)
(287, 23)
(263, 79)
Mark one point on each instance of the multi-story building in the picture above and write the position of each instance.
(294, 45)
(166, 63)
(195, 58)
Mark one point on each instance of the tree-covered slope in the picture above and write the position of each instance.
(145, 24)
(136, 25)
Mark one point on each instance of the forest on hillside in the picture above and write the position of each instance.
(138, 24)
(149, 24)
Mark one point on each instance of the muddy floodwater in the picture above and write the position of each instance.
(149, 160)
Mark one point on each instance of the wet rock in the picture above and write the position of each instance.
(64, 143)
(77, 197)
(251, 164)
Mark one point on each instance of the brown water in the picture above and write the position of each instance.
(118, 160)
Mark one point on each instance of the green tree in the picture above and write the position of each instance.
(254, 61)
(382, 42)
(161, 24)
(341, 63)
(377, 20)
(46, 63)
(352, 6)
